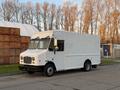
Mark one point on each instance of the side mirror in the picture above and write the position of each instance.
(55, 42)
(56, 48)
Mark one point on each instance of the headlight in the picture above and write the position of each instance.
(33, 58)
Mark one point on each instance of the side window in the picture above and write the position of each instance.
(60, 44)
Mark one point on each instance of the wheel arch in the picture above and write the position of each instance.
(88, 60)
(51, 63)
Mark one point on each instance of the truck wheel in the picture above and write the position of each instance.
(87, 66)
(30, 72)
(49, 70)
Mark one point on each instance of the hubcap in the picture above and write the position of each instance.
(50, 71)
(87, 67)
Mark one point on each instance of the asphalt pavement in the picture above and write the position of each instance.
(102, 78)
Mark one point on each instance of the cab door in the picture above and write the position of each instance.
(57, 50)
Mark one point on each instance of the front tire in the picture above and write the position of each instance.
(87, 66)
(49, 70)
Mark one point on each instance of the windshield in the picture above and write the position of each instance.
(39, 43)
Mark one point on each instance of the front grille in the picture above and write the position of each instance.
(27, 60)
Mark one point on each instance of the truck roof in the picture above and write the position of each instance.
(50, 33)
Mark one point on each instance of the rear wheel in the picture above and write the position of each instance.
(87, 66)
(49, 70)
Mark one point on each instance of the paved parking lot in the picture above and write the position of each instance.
(103, 78)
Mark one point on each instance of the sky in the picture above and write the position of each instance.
(57, 2)
(51, 1)
(42, 1)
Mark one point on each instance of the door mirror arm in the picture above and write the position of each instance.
(55, 49)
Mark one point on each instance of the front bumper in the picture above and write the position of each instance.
(30, 68)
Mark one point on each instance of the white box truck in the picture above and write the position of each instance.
(51, 51)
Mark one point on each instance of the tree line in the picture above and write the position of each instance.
(99, 17)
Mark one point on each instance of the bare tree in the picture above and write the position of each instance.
(8, 9)
(45, 14)
(27, 13)
(102, 29)
(65, 10)
(58, 16)
(91, 16)
(80, 18)
(17, 6)
(101, 19)
(22, 13)
(94, 16)
(38, 16)
(88, 13)
(52, 15)
(73, 17)
(114, 29)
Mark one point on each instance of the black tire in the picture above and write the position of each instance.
(49, 70)
(30, 72)
(87, 66)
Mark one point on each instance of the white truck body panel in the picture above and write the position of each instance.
(77, 49)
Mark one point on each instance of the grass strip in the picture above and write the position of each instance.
(108, 61)
(11, 69)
